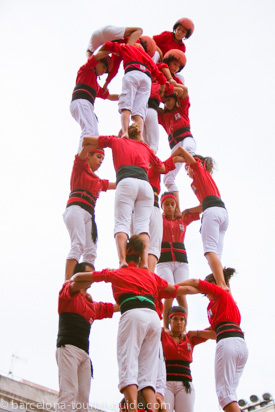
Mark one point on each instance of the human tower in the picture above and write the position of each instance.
(149, 233)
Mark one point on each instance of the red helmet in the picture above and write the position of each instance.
(187, 24)
(148, 44)
(109, 63)
(175, 54)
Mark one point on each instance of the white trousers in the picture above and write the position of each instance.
(176, 399)
(136, 89)
(188, 144)
(138, 348)
(151, 129)
(155, 231)
(173, 272)
(103, 34)
(74, 374)
(230, 359)
(133, 195)
(83, 113)
(79, 225)
(213, 227)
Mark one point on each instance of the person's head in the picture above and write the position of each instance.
(104, 65)
(227, 272)
(175, 59)
(84, 267)
(168, 203)
(170, 102)
(134, 131)
(183, 29)
(134, 250)
(207, 162)
(177, 319)
(148, 44)
(95, 158)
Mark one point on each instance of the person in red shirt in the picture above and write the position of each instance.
(214, 217)
(85, 92)
(231, 349)
(167, 40)
(173, 263)
(132, 158)
(175, 61)
(77, 311)
(178, 349)
(136, 83)
(138, 292)
(175, 121)
(79, 216)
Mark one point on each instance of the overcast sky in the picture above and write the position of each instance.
(230, 76)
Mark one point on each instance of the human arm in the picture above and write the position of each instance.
(116, 307)
(133, 33)
(90, 140)
(188, 158)
(204, 334)
(85, 150)
(111, 186)
(192, 210)
(113, 97)
(81, 280)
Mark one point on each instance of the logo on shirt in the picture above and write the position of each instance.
(177, 116)
(91, 321)
(189, 346)
(181, 227)
(142, 67)
(194, 188)
(209, 313)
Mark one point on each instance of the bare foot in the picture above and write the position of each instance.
(123, 264)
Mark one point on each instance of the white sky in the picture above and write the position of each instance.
(230, 75)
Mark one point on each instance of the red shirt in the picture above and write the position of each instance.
(128, 152)
(174, 230)
(154, 175)
(86, 75)
(183, 350)
(131, 53)
(222, 307)
(82, 178)
(80, 305)
(177, 118)
(166, 41)
(135, 280)
(203, 184)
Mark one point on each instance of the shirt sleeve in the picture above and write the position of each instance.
(103, 276)
(191, 217)
(210, 289)
(105, 141)
(103, 310)
(169, 164)
(104, 185)
(65, 292)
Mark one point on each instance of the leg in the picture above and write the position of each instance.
(130, 394)
(156, 231)
(67, 358)
(212, 221)
(151, 129)
(125, 120)
(144, 256)
(139, 121)
(125, 196)
(83, 113)
(181, 273)
(217, 268)
(84, 383)
(69, 268)
(184, 398)
(149, 396)
(121, 244)
(74, 219)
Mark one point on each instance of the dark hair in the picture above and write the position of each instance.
(174, 309)
(171, 58)
(227, 272)
(208, 162)
(135, 247)
(80, 267)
